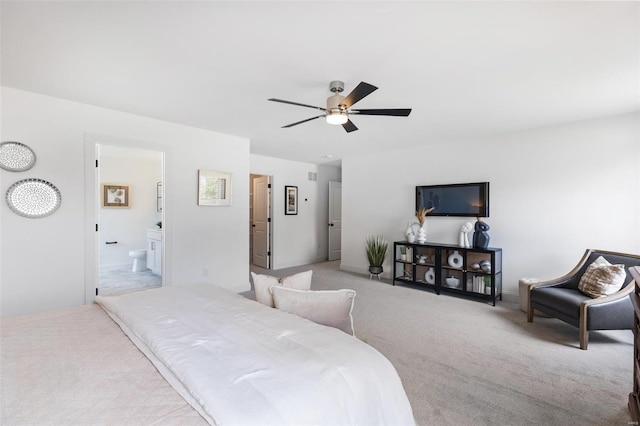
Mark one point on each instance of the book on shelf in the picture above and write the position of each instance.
(478, 285)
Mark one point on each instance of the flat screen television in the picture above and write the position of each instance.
(459, 199)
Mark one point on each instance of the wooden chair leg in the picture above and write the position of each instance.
(529, 308)
(584, 339)
(584, 333)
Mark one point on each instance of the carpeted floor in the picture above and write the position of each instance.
(121, 281)
(465, 362)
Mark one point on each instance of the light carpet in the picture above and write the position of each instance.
(465, 362)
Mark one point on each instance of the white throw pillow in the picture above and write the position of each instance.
(331, 307)
(602, 278)
(263, 283)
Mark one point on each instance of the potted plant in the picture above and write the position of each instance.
(403, 253)
(376, 252)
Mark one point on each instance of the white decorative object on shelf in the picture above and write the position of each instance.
(464, 235)
(452, 282)
(479, 285)
(408, 233)
(430, 276)
(455, 259)
(421, 214)
(485, 265)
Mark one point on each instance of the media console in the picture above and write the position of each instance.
(472, 272)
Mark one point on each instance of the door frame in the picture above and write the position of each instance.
(269, 198)
(92, 141)
(332, 186)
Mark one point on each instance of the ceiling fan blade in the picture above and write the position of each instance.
(296, 103)
(349, 126)
(303, 121)
(398, 112)
(363, 89)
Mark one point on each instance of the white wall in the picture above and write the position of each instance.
(43, 260)
(141, 170)
(303, 238)
(554, 193)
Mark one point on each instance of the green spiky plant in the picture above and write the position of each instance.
(376, 250)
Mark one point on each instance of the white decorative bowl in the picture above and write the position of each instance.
(452, 282)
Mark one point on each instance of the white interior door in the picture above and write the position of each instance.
(260, 227)
(335, 220)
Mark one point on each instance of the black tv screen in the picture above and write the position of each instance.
(460, 199)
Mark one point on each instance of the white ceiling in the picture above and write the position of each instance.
(466, 68)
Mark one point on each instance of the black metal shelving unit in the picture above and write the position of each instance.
(444, 268)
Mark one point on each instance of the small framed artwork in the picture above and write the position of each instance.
(115, 196)
(290, 200)
(214, 188)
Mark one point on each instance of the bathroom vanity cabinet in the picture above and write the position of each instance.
(471, 272)
(154, 250)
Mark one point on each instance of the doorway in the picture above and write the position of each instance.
(130, 219)
(335, 221)
(260, 221)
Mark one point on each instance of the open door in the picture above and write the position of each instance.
(260, 226)
(335, 220)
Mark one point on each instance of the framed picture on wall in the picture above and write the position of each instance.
(214, 188)
(290, 200)
(115, 196)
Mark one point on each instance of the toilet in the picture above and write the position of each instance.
(139, 260)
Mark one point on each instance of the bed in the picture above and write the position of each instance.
(191, 355)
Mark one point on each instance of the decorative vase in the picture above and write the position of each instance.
(455, 260)
(463, 240)
(409, 233)
(430, 276)
(422, 235)
(481, 236)
(452, 282)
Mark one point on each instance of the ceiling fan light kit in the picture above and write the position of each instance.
(336, 111)
(338, 106)
(337, 117)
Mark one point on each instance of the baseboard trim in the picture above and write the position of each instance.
(510, 297)
(296, 264)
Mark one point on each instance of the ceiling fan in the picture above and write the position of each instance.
(339, 109)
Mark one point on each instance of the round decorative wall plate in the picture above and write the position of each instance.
(33, 198)
(16, 157)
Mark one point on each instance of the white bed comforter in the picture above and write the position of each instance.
(241, 363)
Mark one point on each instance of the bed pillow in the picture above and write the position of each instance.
(327, 307)
(263, 283)
(602, 278)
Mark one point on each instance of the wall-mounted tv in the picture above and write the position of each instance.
(459, 199)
